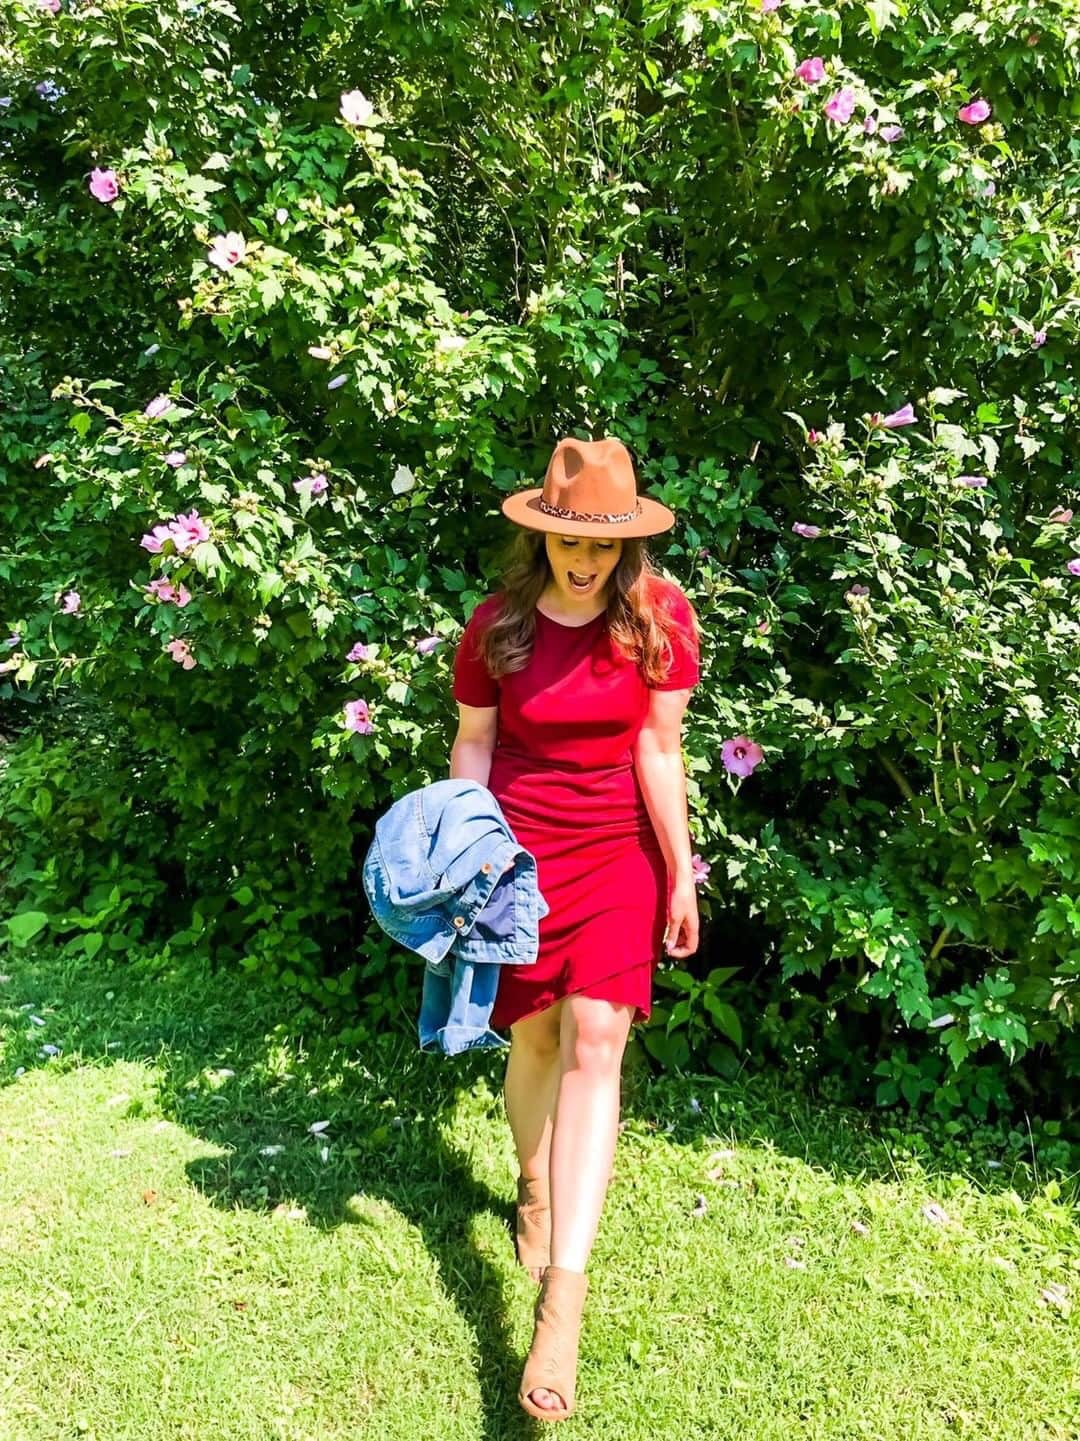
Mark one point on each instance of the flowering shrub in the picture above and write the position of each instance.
(291, 304)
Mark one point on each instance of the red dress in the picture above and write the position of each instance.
(563, 773)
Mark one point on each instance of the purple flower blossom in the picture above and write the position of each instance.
(974, 113)
(356, 717)
(740, 755)
(812, 70)
(839, 106)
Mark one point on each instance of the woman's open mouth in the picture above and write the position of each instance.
(580, 582)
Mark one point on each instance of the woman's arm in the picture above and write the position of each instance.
(470, 754)
(659, 765)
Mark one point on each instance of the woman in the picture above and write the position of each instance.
(571, 684)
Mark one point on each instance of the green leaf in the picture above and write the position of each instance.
(726, 1018)
(26, 925)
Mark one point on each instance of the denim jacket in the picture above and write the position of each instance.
(445, 877)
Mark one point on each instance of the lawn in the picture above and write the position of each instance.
(215, 1226)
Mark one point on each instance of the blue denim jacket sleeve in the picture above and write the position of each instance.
(445, 876)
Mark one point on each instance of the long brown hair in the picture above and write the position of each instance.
(635, 625)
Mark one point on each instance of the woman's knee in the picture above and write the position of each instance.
(594, 1032)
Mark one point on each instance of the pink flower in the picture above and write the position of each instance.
(974, 113)
(158, 406)
(989, 190)
(227, 250)
(812, 70)
(42, 460)
(176, 458)
(1039, 338)
(155, 539)
(53, 5)
(181, 653)
(1058, 516)
(188, 530)
(763, 627)
(103, 183)
(808, 532)
(740, 755)
(337, 382)
(869, 125)
(812, 437)
(1073, 566)
(356, 717)
(320, 352)
(71, 604)
(360, 651)
(701, 870)
(767, 5)
(312, 484)
(891, 132)
(904, 416)
(356, 108)
(428, 644)
(973, 482)
(163, 590)
(856, 590)
(839, 106)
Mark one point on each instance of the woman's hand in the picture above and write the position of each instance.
(681, 932)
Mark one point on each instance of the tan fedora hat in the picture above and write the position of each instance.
(589, 490)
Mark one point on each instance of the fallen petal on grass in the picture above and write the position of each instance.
(1056, 1294)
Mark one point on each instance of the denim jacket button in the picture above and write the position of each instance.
(459, 920)
(486, 867)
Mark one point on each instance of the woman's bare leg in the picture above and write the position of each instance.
(529, 1089)
(593, 1038)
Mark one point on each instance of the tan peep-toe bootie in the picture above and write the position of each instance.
(533, 1232)
(553, 1355)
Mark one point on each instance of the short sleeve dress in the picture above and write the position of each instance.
(563, 773)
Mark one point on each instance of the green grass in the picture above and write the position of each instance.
(161, 1277)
